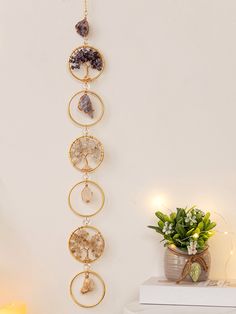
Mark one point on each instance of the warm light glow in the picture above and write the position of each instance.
(13, 309)
(195, 236)
(158, 202)
(226, 232)
(231, 252)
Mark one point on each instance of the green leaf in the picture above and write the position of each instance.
(160, 216)
(189, 233)
(201, 225)
(206, 224)
(167, 218)
(205, 237)
(172, 217)
(180, 214)
(180, 229)
(168, 237)
(176, 236)
(183, 243)
(195, 271)
(211, 226)
(197, 230)
(201, 243)
(161, 224)
(157, 229)
(211, 233)
(199, 217)
(206, 217)
(191, 208)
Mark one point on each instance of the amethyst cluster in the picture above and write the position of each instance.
(86, 55)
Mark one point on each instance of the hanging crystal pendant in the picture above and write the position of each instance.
(87, 194)
(82, 27)
(85, 105)
(88, 285)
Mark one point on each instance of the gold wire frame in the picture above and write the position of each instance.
(86, 79)
(101, 106)
(101, 158)
(100, 190)
(100, 279)
(90, 260)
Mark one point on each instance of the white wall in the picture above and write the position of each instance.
(169, 90)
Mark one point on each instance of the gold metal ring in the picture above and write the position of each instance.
(88, 78)
(77, 160)
(100, 279)
(101, 192)
(101, 107)
(95, 248)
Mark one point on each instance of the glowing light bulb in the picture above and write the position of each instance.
(158, 202)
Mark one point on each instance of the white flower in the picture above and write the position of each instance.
(192, 248)
(168, 228)
(191, 218)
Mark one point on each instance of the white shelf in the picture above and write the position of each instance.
(215, 293)
(136, 308)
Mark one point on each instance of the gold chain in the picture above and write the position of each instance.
(85, 15)
(85, 8)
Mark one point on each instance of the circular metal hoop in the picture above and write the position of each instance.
(86, 78)
(99, 278)
(77, 157)
(84, 183)
(83, 92)
(82, 241)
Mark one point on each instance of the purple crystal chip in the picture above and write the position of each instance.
(82, 28)
(86, 55)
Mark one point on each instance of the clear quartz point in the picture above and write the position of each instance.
(87, 194)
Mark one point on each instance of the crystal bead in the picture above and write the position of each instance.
(87, 194)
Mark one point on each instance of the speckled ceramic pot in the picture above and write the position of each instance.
(174, 265)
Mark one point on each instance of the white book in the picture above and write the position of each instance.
(208, 293)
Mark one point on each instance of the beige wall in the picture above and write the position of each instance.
(169, 129)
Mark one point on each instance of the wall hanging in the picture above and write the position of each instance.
(86, 198)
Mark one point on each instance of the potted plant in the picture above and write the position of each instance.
(185, 235)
